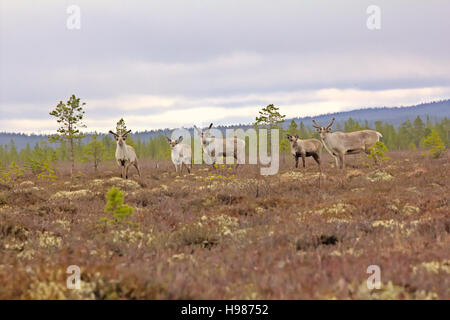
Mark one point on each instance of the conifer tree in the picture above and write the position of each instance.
(69, 115)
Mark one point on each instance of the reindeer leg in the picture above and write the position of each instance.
(127, 166)
(337, 161)
(187, 167)
(316, 157)
(296, 161)
(341, 160)
(237, 163)
(303, 160)
(137, 168)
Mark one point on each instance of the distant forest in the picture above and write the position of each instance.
(36, 151)
(434, 111)
(409, 135)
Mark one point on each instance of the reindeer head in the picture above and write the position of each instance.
(323, 131)
(203, 133)
(173, 143)
(120, 138)
(292, 139)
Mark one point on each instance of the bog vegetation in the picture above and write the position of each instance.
(217, 233)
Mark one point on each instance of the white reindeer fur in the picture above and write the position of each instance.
(125, 155)
(125, 152)
(181, 154)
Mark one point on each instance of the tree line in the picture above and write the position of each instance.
(67, 145)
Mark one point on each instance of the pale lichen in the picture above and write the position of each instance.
(379, 176)
(132, 237)
(71, 194)
(433, 267)
(48, 239)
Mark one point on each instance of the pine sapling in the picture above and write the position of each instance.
(115, 205)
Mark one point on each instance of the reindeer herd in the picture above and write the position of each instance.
(337, 144)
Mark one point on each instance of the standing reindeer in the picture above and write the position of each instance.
(125, 154)
(212, 145)
(305, 148)
(339, 143)
(181, 154)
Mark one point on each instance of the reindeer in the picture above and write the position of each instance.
(181, 154)
(210, 144)
(125, 154)
(305, 148)
(339, 143)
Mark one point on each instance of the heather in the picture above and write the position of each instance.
(227, 234)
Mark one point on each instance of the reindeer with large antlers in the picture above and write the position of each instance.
(125, 154)
(339, 143)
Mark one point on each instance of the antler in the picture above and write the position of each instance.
(126, 133)
(210, 126)
(315, 124)
(331, 123)
(198, 130)
(113, 133)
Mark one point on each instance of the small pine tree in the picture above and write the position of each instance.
(121, 127)
(47, 172)
(115, 205)
(95, 150)
(270, 117)
(13, 174)
(434, 144)
(378, 152)
(70, 116)
(418, 130)
(293, 128)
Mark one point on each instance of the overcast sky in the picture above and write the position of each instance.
(173, 63)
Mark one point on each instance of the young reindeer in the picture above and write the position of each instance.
(125, 154)
(305, 148)
(210, 144)
(181, 154)
(339, 143)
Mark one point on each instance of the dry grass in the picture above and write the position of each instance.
(210, 235)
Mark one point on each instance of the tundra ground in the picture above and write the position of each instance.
(220, 234)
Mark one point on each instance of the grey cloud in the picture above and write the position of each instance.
(206, 49)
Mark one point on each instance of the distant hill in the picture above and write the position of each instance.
(395, 115)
